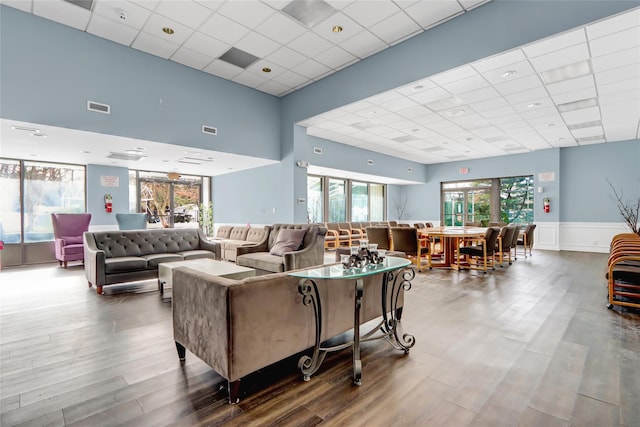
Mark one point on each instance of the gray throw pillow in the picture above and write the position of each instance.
(288, 240)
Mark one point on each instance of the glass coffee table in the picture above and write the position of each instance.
(396, 276)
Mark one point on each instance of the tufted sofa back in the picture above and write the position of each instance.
(312, 231)
(256, 234)
(238, 233)
(145, 242)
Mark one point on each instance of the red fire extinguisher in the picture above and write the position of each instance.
(108, 202)
(546, 203)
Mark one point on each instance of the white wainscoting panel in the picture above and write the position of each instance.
(589, 236)
(546, 236)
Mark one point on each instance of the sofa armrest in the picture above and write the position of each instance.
(94, 261)
(213, 246)
(309, 256)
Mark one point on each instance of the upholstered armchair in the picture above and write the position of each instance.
(416, 248)
(131, 221)
(67, 232)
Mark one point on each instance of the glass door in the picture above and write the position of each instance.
(453, 208)
(170, 203)
(478, 207)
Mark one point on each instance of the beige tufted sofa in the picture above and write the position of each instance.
(124, 256)
(231, 238)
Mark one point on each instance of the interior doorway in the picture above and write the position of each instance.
(169, 203)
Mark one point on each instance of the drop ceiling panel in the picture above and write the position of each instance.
(224, 29)
(395, 28)
(257, 45)
(363, 44)
(191, 58)
(426, 14)
(555, 44)
(111, 30)
(62, 12)
(156, 23)
(154, 45)
(618, 41)
(206, 45)
(223, 69)
(250, 16)
(136, 16)
(614, 24)
(188, 13)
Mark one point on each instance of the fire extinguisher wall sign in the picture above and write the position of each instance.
(546, 203)
(108, 203)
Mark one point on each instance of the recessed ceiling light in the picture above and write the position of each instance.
(337, 29)
(266, 70)
(25, 129)
(168, 30)
(415, 130)
(209, 158)
(85, 152)
(165, 161)
(33, 155)
(373, 112)
(140, 148)
(509, 73)
(534, 105)
(550, 125)
(418, 87)
(455, 113)
(41, 135)
(561, 139)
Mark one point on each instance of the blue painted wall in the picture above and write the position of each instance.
(585, 194)
(49, 72)
(96, 192)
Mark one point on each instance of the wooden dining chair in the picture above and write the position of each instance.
(408, 240)
(480, 250)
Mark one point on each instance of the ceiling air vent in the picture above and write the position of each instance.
(125, 156)
(85, 4)
(309, 12)
(210, 130)
(193, 161)
(405, 138)
(238, 57)
(98, 107)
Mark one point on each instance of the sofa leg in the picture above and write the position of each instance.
(182, 352)
(234, 391)
(99, 290)
(89, 283)
(65, 264)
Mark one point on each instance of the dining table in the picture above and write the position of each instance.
(450, 240)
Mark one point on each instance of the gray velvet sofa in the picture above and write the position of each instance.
(263, 258)
(240, 326)
(123, 256)
(240, 236)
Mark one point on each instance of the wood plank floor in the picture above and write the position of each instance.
(528, 345)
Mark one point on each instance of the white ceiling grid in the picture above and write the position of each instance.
(580, 87)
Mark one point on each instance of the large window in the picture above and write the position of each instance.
(341, 200)
(31, 192)
(479, 202)
(168, 202)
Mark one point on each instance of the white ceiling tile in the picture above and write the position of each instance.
(147, 4)
(188, 13)
(349, 28)
(258, 66)
(276, 4)
(111, 30)
(363, 44)
(136, 16)
(154, 45)
(249, 79)
(428, 13)
(489, 104)
(310, 69)
(191, 58)
(619, 41)
(519, 85)
(206, 45)
(368, 13)
(224, 29)
(250, 14)
(466, 85)
(309, 44)
(24, 5)
(399, 104)
(430, 95)
(471, 4)
(395, 27)
(619, 74)
(337, 4)
(499, 61)
(629, 97)
(616, 59)
(581, 116)
(578, 95)
(495, 116)
(586, 132)
(223, 69)
(573, 85)
(453, 75)
(547, 123)
(334, 57)
(286, 57)
(569, 55)
(478, 95)
(624, 86)
(273, 88)
(62, 12)
(555, 43)
(415, 111)
(280, 28)
(257, 45)
(156, 23)
(615, 24)
(527, 96)
(415, 87)
(541, 111)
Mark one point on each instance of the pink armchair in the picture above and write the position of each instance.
(67, 231)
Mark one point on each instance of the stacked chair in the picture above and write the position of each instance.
(623, 271)
(526, 241)
(336, 237)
